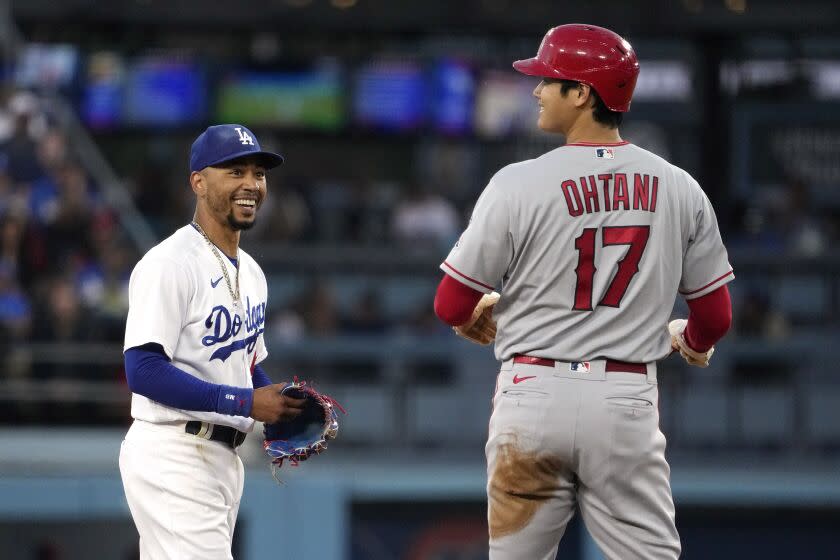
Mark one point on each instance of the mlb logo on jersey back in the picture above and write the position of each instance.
(604, 153)
(579, 367)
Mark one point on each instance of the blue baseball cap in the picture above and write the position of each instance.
(224, 142)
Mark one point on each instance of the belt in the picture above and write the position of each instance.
(231, 437)
(611, 365)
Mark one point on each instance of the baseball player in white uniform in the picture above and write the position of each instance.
(193, 344)
(589, 245)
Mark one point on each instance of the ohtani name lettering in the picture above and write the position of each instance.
(609, 192)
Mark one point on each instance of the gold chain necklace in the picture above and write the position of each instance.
(233, 294)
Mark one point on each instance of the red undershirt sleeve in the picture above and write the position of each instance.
(454, 301)
(709, 318)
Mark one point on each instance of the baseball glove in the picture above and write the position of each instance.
(700, 359)
(297, 440)
(481, 328)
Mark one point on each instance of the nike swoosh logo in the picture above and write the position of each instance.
(216, 283)
(517, 379)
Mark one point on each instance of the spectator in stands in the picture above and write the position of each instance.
(783, 219)
(346, 210)
(360, 212)
(332, 206)
(425, 217)
(291, 218)
(424, 322)
(11, 235)
(756, 316)
(754, 228)
(111, 305)
(380, 199)
(21, 147)
(10, 198)
(52, 149)
(804, 226)
(61, 318)
(43, 200)
(155, 182)
(287, 325)
(56, 244)
(44, 192)
(68, 234)
(312, 313)
(419, 320)
(318, 310)
(15, 310)
(366, 316)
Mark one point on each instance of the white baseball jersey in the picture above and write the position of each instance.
(178, 298)
(589, 245)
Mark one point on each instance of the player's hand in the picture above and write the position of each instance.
(481, 328)
(700, 359)
(270, 406)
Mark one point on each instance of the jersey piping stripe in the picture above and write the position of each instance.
(592, 144)
(459, 273)
(718, 279)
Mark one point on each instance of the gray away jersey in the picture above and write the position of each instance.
(590, 244)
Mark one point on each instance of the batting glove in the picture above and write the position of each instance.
(677, 330)
(481, 328)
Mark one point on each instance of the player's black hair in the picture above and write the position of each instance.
(600, 112)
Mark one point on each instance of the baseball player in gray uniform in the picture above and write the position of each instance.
(193, 345)
(588, 245)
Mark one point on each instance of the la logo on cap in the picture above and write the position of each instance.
(244, 137)
(218, 144)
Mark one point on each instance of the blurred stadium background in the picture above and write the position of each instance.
(392, 116)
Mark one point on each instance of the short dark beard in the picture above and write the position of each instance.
(239, 226)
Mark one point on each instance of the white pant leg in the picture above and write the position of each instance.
(240, 486)
(183, 492)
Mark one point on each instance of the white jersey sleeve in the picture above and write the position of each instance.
(705, 263)
(159, 292)
(482, 255)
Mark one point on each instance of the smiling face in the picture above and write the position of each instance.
(232, 192)
(558, 110)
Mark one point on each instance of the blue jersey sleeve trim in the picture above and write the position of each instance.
(149, 373)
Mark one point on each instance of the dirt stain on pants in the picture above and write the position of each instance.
(519, 485)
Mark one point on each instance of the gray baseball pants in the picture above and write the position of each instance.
(574, 433)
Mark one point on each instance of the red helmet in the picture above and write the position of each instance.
(592, 55)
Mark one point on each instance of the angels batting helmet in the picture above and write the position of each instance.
(591, 55)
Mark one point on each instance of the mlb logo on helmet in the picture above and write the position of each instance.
(604, 153)
(579, 367)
